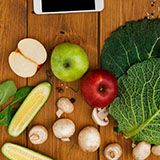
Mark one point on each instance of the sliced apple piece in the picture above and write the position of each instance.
(21, 65)
(33, 50)
(28, 57)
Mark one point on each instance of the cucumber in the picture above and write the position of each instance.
(29, 108)
(17, 152)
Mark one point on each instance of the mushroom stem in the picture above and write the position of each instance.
(34, 137)
(102, 113)
(112, 155)
(99, 116)
(59, 113)
(113, 151)
(65, 139)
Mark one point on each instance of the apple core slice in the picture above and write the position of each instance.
(21, 65)
(33, 50)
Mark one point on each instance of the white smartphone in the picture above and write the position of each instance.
(67, 6)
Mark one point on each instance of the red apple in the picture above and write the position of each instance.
(99, 88)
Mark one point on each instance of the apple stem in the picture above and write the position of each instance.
(74, 90)
(66, 65)
(102, 89)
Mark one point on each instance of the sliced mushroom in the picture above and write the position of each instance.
(64, 106)
(89, 139)
(63, 129)
(142, 151)
(100, 116)
(156, 150)
(38, 134)
(113, 151)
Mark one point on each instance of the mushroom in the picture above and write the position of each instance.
(142, 151)
(64, 106)
(100, 116)
(38, 134)
(113, 151)
(63, 129)
(156, 150)
(89, 139)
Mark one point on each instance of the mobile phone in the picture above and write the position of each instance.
(67, 6)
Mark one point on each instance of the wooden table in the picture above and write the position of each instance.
(90, 30)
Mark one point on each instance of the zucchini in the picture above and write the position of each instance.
(29, 108)
(17, 152)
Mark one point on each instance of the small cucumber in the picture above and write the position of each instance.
(17, 152)
(29, 108)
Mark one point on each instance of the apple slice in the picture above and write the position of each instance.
(28, 57)
(33, 50)
(21, 65)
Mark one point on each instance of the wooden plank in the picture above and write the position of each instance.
(116, 13)
(12, 29)
(51, 30)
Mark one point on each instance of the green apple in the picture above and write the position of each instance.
(69, 62)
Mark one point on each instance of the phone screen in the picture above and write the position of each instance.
(67, 5)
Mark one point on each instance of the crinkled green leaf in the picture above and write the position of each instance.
(137, 107)
(135, 42)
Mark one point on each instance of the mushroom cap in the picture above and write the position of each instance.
(65, 105)
(142, 151)
(89, 139)
(63, 128)
(156, 150)
(100, 117)
(113, 151)
(38, 134)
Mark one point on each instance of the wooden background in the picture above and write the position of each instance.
(90, 30)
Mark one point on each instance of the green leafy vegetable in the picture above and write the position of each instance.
(135, 42)
(7, 90)
(5, 116)
(12, 113)
(137, 107)
(7, 113)
(21, 95)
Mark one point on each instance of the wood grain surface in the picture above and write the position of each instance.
(88, 30)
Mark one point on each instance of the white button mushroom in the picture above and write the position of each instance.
(156, 150)
(63, 129)
(89, 139)
(142, 151)
(38, 134)
(64, 106)
(100, 116)
(113, 151)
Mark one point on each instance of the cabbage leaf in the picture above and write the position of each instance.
(130, 44)
(137, 107)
